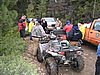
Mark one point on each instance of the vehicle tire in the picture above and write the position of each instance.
(39, 55)
(78, 64)
(51, 66)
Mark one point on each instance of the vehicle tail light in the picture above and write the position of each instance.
(62, 53)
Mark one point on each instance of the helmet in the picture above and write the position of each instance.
(65, 44)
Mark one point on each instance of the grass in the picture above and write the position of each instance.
(16, 65)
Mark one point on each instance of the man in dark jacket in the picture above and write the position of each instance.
(44, 24)
(74, 34)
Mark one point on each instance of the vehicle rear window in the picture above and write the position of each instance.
(50, 20)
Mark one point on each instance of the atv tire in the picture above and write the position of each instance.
(78, 64)
(51, 66)
(39, 55)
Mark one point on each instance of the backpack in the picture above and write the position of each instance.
(74, 35)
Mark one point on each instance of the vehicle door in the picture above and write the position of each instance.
(94, 34)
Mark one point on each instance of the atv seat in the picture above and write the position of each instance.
(61, 33)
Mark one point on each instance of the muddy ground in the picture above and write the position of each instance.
(89, 58)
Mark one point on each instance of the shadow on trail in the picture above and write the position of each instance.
(89, 45)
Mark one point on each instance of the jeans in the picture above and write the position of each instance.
(22, 33)
(30, 36)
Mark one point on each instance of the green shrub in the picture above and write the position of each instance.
(16, 65)
(11, 60)
(12, 43)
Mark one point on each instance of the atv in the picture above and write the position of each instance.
(55, 52)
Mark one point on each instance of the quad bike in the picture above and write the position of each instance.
(55, 52)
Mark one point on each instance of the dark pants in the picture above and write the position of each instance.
(30, 36)
(97, 71)
(22, 33)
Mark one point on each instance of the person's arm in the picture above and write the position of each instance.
(33, 30)
(42, 30)
(64, 28)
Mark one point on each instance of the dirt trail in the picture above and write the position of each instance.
(28, 55)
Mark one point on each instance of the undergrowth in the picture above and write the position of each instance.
(16, 65)
(11, 59)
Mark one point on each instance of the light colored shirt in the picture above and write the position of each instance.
(58, 23)
(38, 31)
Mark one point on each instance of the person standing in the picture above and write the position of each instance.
(44, 24)
(31, 24)
(74, 36)
(58, 24)
(97, 65)
(37, 30)
(21, 28)
(67, 27)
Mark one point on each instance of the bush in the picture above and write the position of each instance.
(12, 43)
(16, 65)
(11, 60)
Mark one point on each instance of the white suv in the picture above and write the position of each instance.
(50, 22)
